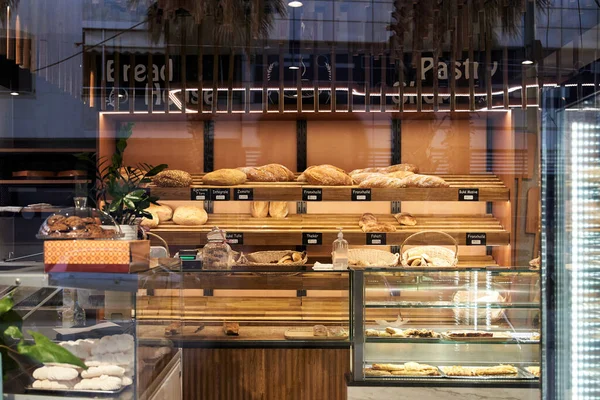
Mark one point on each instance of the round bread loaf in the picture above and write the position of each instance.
(172, 178)
(281, 173)
(186, 215)
(151, 223)
(256, 174)
(165, 213)
(224, 177)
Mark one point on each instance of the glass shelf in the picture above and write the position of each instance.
(446, 341)
(408, 304)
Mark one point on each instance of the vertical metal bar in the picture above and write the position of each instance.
(383, 85)
(436, 62)
(265, 88)
(230, 83)
(281, 80)
(367, 59)
(150, 83)
(209, 146)
(131, 88)
(505, 77)
(247, 77)
(350, 79)
(117, 80)
(488, 69)
(102, 72)
(451, 71)
(471, 71)
(358, 323)
(523, 87)
(299, 90)
(396, 129)
(183, 54)
(301, 149)
(333, 80)
(215, 77)
(200, 71)
(168, 68)
(417, 54)
(401, 80)
(315, 80)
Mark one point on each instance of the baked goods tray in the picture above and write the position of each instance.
(392, 377)
(72, 392)
(498, 337)
(521, 374)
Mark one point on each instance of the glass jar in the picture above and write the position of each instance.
(216, 253)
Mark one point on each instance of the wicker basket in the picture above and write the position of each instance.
(469, 315)
(372, 258)
(440, 256)
(268, 258)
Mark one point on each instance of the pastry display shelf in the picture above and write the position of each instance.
(452, 305)
(489, 188)
(507, 341)
(316, 229)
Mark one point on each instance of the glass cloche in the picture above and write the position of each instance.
(79, 222)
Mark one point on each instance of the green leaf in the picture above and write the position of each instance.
(146, 214)
(128, 203)
(6, 303)
(121, 145)
(46, 351)
(114, 206)
(14, 333)
(155, 170)
(138, 193)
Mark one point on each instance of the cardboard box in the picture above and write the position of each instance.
(116, 256)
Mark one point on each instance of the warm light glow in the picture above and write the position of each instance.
(526, 62)
(295, 4)
(294, 67)
(14, 93)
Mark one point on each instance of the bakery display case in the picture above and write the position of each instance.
(450, 326)
(87, 338)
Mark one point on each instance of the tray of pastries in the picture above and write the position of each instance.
(411, 333)
(500, 371)
(533, 370)
(399, 370)
(473, 336)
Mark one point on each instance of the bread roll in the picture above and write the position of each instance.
(281, 173)
(405, 219)
(399, 174)
(255, 174)
(260, 209)
(301, 178)
(224, 177)
(172, 178)
(379, 227)
(367, 218)
(382, 181)
(186, 215)
(165, 213)
(424, 181)
(359, 178)
(151, 223)
(278, 209)
(327, 175)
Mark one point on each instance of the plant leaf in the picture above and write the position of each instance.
(6, 303)
(155, 170)
(46, 351)
(14, 333)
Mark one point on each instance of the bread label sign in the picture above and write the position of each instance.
(376, 238)
(312, 194)
(468, 194)
(312, 238)
(361, 194)
(243, 194)
(200, 194)
(476, 239)
(235, 237)
(220, 194)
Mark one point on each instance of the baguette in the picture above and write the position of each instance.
(424, 181)
(278, 209)
(259, 209)
(382, 181)
(327, 175)
(405, 219)
(367, 218)
(379, 227)
(399, 174)
(386, 170)
(359, 178)
(224, 177)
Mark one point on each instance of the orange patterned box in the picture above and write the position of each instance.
(120, 256)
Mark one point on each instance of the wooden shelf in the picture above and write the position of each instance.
(29, 182)
(490, 187)
(290, 231)
(21, 150)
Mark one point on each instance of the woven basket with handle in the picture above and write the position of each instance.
(439, 256)
(372, 258)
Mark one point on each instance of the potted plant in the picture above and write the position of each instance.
(121, 191)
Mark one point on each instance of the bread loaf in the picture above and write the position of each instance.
(281, 173)
(165, 213)
(386, 170)
(172, 178)
(424, 181)
(405, 219)
(399, 174)
(367, 218)
(224, 177)
(255, 174)
(151, 223)
(378, 227)
(260, 209)
(327, 175)
(382, 181)
(186, 215)
(359, 178)
(278, 209)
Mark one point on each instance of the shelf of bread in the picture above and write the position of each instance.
(484, 187)
(318, 229)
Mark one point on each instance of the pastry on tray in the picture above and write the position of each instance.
(469, 334)
(231, 328)
(422, 333)
(534, 370)
(319, 330)
(408, 369)
(376, 372)
(502, 369)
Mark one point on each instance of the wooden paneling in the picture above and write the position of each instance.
(265, 374)
(180, 144)
(350, 144)
(252, 143)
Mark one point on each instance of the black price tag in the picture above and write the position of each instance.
(235, 237)
(243, 194)
(312, 194)
(468, 194)
(376, 238)
(220, 194)
(476, 239)
(312, 238)
(200, 194)
(361, 194)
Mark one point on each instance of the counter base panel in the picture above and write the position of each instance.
(437, 393)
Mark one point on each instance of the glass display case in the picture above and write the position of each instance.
(99, 318)
(452, 326)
